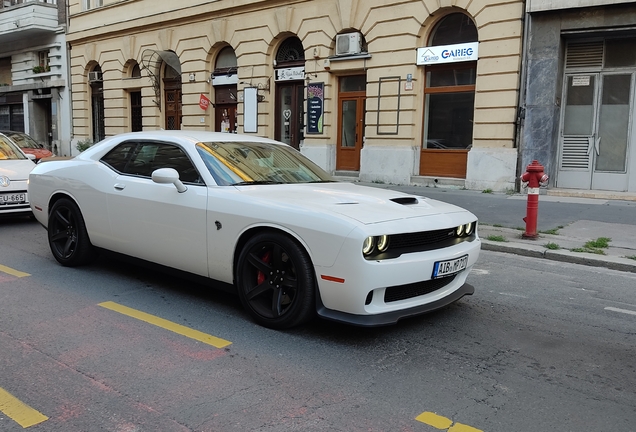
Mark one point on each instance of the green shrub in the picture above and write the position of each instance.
(84, 144)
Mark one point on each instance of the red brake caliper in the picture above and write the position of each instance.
(267, 257)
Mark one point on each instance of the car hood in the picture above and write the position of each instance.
(367, 205)
(17, 169)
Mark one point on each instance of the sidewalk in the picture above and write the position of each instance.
(567, 221)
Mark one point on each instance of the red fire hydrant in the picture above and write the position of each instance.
(533, 178)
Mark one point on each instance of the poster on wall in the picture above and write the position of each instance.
(315, 107)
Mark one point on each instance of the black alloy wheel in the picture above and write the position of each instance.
(275, 281)
(67, 234)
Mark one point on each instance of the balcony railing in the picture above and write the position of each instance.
(9, 3)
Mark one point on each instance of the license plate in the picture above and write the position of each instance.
(447, 268)
(15, 198)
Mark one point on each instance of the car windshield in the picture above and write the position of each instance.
(247, 163)
(9, 151)
(23, 140)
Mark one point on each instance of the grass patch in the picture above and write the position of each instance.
(498, 225)
(631, 257)
(595, 246)
(487, 191)
(496, 238)
(552, 231)
(599, 243)
(552, 246)
(520, 229)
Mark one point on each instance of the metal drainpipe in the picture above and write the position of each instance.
(521, 104)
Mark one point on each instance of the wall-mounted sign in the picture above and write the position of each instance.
(204, 102)
(289, 74)
(447, 54)
(581, 81)
(315, 107)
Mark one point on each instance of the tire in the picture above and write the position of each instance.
(67, 234)
(275, 281)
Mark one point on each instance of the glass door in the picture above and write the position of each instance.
(289, 113)
(351, 103)
(595, 131)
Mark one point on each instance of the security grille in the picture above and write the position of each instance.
(584, 55)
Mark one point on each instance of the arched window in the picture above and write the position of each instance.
(450, 89)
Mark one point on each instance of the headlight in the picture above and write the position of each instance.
(383, 243)
(367, 246)
(459, 231)
(469, 228)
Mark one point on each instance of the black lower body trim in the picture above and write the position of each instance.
(391, 317)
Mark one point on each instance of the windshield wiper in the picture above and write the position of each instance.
(256, 182)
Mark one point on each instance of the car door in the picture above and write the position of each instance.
(154, 221)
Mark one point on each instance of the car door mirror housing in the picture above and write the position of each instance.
(167, 176)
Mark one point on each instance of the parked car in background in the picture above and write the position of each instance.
(15, 167)
(263, 219)
(27, 144)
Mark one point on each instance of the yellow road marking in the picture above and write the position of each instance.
(168, 325)
(13, 272)
(18, 411)
(432, 419)
(443, 423)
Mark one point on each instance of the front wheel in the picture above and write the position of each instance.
(275, 281)
(67, 234)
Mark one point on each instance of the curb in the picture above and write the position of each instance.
(535, 251)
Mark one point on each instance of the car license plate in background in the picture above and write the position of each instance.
(447, 268)
(12, 198)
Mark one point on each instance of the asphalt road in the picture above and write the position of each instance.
(541, 346)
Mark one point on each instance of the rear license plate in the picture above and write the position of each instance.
(447, 268)
(14, 198)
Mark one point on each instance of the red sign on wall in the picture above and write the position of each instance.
(204, 102)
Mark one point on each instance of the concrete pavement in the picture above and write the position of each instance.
(572, 226)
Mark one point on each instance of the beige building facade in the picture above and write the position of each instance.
(386, 91)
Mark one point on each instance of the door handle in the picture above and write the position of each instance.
(119, 186)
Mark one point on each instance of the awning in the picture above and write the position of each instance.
(152, 60)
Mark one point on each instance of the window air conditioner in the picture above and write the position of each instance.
(94, 76)
(348, 43)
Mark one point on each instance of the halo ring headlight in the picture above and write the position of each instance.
(459, 231)
(368, 245)
(383, 243)
(469, 228)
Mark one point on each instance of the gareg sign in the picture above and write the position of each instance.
(447, 53)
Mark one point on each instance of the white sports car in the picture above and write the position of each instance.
(15, 167)
(257, 215)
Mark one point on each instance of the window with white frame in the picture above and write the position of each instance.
(92, 4)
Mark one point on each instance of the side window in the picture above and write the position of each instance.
(141, 159)
(169, 156)
(118, 157)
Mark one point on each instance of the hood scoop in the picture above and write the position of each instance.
(405, 200)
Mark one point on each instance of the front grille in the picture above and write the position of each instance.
(403, 292)
(421, 241)
(424, 238)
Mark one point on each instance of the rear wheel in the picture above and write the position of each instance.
(275, 281)
(68, 238)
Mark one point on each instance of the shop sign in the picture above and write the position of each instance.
(204, 102)
(290, 74)
(447, 54)
(315, 104)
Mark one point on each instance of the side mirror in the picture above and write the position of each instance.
(167, 176)
(30, 156)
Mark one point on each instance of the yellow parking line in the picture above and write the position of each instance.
(443, 423)
(168, 325)
(13, 272)
(18, 411)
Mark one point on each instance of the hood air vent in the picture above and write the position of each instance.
(405, 200)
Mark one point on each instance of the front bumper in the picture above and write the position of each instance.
(393, 317)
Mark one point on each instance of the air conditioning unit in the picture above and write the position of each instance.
(348, 43)
(94, 76)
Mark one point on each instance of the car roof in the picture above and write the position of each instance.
(196, 135)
